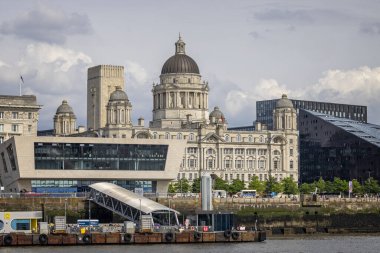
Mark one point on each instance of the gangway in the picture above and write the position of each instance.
(130, 205)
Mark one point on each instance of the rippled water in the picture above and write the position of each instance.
(331, 244)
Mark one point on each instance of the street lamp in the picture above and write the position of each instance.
(89, 214)
(65, 210)
(140, 217)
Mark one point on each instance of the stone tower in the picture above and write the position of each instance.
(102, 80)
(284, 115)
(64, 120)
(119, 110)
(181, 94)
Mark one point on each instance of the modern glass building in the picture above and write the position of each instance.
(70, 164)
(337, 147)
(264, 110)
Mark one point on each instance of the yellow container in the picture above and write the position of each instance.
(82, 230)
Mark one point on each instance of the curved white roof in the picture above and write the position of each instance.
(130, 198)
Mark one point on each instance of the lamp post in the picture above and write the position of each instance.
(169, 212)
(140, 216)
(65, 210)
(89, 214)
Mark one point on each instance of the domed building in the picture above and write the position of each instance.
(284, 116)
(180, 92)
(64, 120)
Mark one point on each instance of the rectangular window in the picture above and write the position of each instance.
(291, 141)
(14, 128)
(251, 151)
(262, 164)
(239, 164)
(261, 177)
(225, 177)
(239, 151)
(14, 115)
(262, 152)
(291, 165)
(11, 156)
(183, 175)
(231, 176)
(1, 115)
(195, 175)
(1, 139)
(30, 115)
(1, 127)
(228, 164)
(228, 151)
(192, 163)
(242, 177)
(29, 128)
(190, 176)
(210, 163)
(249, 177)
(250, 164)
(192, 150)
(237, 176)
(275, 164)
(291, 152)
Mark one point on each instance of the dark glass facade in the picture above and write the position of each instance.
(264, 110)
(332, 148)
(73, 185)
(75, 156)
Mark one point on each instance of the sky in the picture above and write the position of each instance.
(247, 50)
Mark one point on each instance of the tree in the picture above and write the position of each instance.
(371, 186)
(289, 186)
(182, 185)
(329, 187)
(220, 184)
(171, 188)
(340, 185)
(321, 185)
(256, 184)
(356, 187)
(236, 186)
(272, 185)
(196, 186)
(306, 188)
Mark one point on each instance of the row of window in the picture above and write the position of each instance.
(239, 163)
(232, 176)
(238, 151)
(14, 128)
(15, 115)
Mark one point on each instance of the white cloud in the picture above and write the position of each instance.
(136, 73)
(46, 24)
(52, 73)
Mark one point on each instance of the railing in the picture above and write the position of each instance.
(45, 195)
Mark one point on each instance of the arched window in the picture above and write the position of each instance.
(227, 138)
(191, 137)
(239, 163)
(179, 136)
(261, 139)
(276, 164)
(227, 162)
(276, 152)
(167, 136)
(155, 135)
(238, 138)
(250, 138)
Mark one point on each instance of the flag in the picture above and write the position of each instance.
(22, 79)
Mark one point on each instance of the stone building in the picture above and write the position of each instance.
(180, 111)
(64, 120)
(102, 81)
(18, 116)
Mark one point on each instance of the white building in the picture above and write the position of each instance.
(181, 111)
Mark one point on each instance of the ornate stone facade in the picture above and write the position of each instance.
(180, 111)
(64, 120)
(18, 116)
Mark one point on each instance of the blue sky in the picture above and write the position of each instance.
(246, 50)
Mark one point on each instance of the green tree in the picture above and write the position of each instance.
(271, 185)
(289, 186)
(182, 185)
(171, 188)
(196, 186)
(371, 186)
(340, 185)
(321, 185)
(356, 187)
(256, 184)
(307, 188)
(329, 187)
(220, 184)
(236, 186)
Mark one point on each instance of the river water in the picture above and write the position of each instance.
(330, 244)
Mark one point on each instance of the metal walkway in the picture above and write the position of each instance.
(130, 205)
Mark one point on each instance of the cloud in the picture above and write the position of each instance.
(46, 24)
(136, 73)
(282, 14)
(370, 28)
(52, 73)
